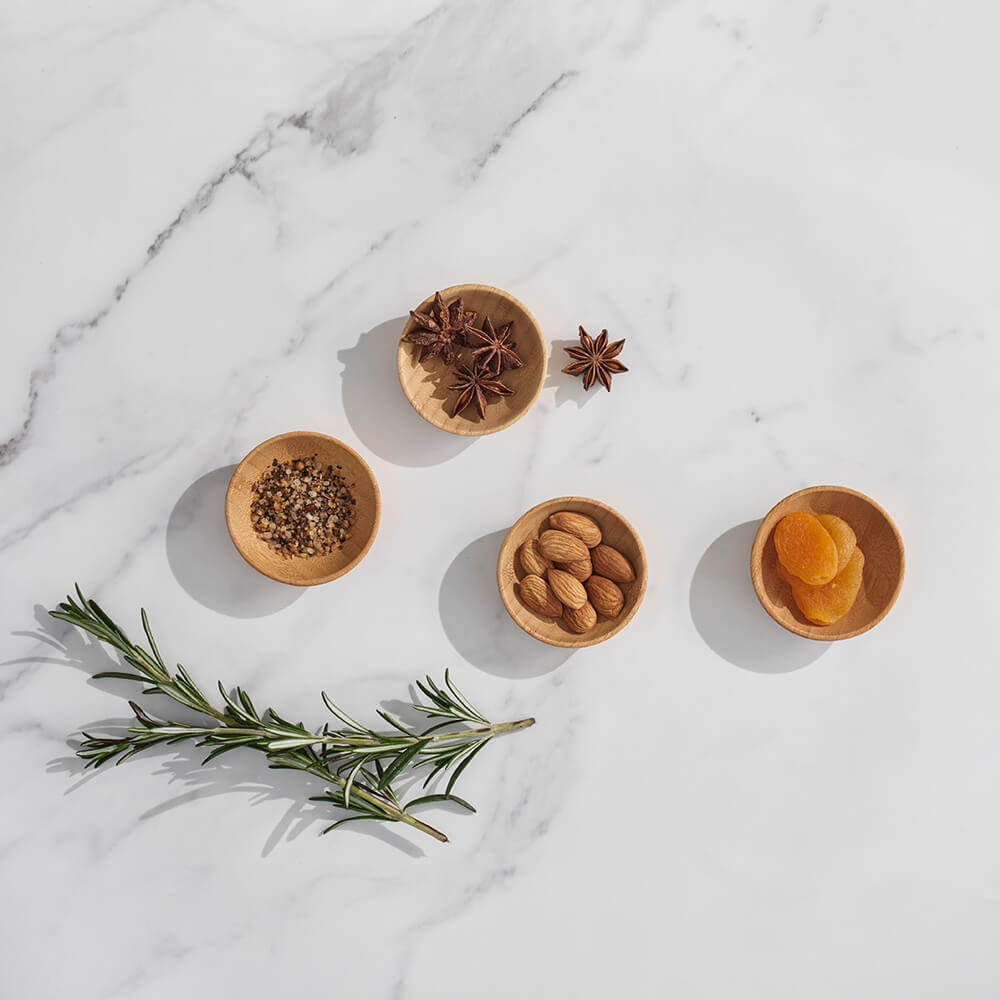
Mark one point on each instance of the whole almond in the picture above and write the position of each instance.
(567, 589)
(611, 563)
(580, 568)
(537, 594)
(606, 596)
(531, 559)
(581, 619)
(585, 528)
(561, 547)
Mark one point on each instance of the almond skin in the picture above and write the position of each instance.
(612, 564)
(561, 547)
(606, 596)
(585, 528)
(581, 619)
(531, 559)
(567, 589)
(537, 594)
(580, 568)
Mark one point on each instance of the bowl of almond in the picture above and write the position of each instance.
(572, 572)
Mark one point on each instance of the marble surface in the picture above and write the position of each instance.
(216, 216)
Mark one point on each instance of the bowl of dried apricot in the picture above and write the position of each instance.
(572, 572)
(827, 563)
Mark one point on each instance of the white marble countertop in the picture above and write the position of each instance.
(216, 216)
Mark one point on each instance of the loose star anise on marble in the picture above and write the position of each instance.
(439, 332)
(475, 385)
(491, 348)
(595, 359)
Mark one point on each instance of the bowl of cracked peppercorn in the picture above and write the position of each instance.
(471, 359)
(303, 508)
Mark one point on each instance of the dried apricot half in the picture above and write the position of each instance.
(806, 548)
(843, 537)
(829, 603)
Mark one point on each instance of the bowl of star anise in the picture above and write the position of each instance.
(471, 359)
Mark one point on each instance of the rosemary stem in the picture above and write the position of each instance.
(455, 734)
(496, 728)
(460, 734)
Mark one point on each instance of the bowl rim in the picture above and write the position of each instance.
(763, 533)
(231, 505)
(508, 551)
(476, 430)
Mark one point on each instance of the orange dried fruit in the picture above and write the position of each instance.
(785, 575)
(806, 548)
(826, 604)
(843, 537)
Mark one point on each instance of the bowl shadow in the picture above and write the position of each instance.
(729, 618)
(205, 562)
(378, 412)
(477, 623)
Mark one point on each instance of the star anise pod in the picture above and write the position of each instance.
(475, 385)
(492, 349)
(439, 332)
(595, 359)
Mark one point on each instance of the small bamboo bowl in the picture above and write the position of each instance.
(425, 383)
(617, 533)
(878, 539)
(303, 571)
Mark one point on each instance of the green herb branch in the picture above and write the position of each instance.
(360, 763)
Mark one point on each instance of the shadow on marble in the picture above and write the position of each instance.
(567, 388)
(477, 623)
(377, 410)
(68, 646)
(244, 774)
(728, 616)
(239, 773)
(205, 562)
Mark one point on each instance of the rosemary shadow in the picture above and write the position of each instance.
(240, 773)
(377, 410)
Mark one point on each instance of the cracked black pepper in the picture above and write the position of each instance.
(303, 508)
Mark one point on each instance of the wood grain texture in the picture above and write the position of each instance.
(878, 539)
(425, 383)
(303, 571)
(617, 532)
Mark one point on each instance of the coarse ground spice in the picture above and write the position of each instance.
(303, 508)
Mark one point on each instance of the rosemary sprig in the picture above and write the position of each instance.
(360, 763)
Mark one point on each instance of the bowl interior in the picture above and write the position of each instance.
(617, 532)
(878, 539)
(425, 383)
(303, 571)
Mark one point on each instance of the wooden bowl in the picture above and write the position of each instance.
(617, 533)
(303, 571)
(878, 539)
(425, 383)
